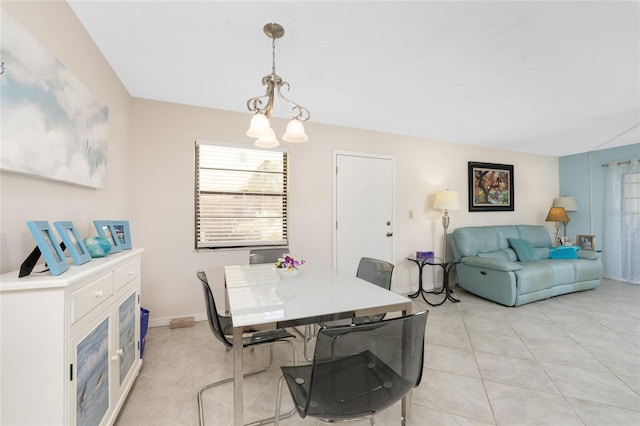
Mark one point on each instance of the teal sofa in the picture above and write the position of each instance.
(510, 264)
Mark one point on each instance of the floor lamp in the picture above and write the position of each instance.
(446, 200)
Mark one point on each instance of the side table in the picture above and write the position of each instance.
(446, 268)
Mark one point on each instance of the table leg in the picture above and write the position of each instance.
(420, 289)
(445, 288)
(238, 385)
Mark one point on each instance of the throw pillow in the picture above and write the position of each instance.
(524, 250)
(564, 252)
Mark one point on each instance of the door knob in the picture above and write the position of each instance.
(389, 234)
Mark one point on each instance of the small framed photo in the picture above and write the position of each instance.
(586, 242)
(49, 247)
(105, 229)
(490, 187)
(73, 242)
(123, 233)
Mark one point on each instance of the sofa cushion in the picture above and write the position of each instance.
(537, 235)
(563, 271)
(587, 270)
(505, 232)
(534, 276)
(471, 240)
(523, 249)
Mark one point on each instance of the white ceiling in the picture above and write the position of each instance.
(553, 77)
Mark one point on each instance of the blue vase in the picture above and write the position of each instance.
(98, 246)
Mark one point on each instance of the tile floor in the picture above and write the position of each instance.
(569, 360)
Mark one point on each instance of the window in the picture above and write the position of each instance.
(241, 197)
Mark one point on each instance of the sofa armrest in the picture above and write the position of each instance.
(587, 254)
(491, 263)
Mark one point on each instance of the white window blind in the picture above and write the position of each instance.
(241, 197)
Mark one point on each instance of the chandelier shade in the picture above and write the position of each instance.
(262, 106)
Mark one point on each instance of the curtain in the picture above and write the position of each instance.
(621, 248)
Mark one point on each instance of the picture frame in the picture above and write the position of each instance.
(123, 233)
(491, 187)
(586, 242)
(73, 242)
(105, 229)
(48, 246)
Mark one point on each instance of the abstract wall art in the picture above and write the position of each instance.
(52, 125)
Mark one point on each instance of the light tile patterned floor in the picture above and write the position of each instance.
(569, 360)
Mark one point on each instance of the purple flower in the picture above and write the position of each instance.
(288, 262)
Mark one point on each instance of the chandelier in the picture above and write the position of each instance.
(262, 106)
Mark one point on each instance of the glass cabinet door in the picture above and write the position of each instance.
(92, 380)
(127, 335)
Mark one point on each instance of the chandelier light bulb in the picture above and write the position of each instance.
(295, 132)
(259, 126)
(267, 140)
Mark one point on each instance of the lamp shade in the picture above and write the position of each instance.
(557, 214)
(267, 140)
(447, 200)
(569, 203)
(259, 126)
(295, 132)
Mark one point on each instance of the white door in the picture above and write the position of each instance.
(363, 209)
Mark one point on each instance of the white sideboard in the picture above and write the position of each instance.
(70, 344)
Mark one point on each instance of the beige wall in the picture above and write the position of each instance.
(161, 195)
(151, 170)
(27, 198)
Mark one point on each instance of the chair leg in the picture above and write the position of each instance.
(250, 373)
(276, 416)
(307, 336)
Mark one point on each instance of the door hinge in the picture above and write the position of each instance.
(336, 224)
(71, 372)
(336, 170)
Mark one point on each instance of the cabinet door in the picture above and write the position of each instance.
(127, 339)
(92, 375)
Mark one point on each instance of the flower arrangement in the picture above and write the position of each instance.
(289, 263)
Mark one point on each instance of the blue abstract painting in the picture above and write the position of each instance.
(52, 125)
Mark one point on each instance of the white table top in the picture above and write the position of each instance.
(258, 295)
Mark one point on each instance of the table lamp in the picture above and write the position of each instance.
(557, 215)
(446, 200)
(570, 205)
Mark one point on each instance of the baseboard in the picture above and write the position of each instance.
(164, 322)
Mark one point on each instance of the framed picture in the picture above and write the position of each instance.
(123, 233)
(490, 187)
(73, 242)
(49, 247)
(105, 229)
(586, 242)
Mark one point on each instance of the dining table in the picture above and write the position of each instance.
(258, 294)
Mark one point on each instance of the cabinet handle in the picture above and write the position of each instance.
(99, 293)
(119, 354)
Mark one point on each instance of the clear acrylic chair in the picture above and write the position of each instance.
(375, 271)
(270, 255)
(358, 370)
(222, 328)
